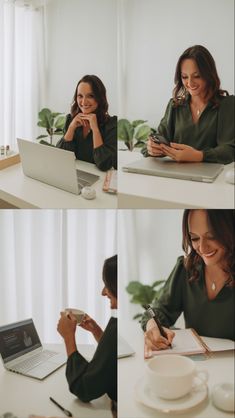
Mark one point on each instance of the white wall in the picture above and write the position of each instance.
(149, 242)
(81, 39)
(155, 33)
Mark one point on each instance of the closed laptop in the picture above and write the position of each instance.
(166, 167)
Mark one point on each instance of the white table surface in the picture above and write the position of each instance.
(24, 192)
(23, 395)
(144, 191)
(130, 369)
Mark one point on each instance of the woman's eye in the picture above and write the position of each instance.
(194, 239)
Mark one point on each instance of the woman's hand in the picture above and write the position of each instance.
(182, 152)
(154, 149)
(67, 328)
(91, 325)
(90, 119)
(67, 325)
(78, 121)
(154, 340)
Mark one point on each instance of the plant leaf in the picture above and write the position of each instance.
(60, 122)
(125, 130)
(142, 133)
(133, 287)
(138, 122)
(42, 136)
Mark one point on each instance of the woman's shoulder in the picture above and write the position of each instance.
(111, 121)
(227, 101)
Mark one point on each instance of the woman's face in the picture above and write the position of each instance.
(191, 79)
(113, 299)
(203, 240)
(85, 98)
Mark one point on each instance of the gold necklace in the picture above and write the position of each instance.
(213, 285)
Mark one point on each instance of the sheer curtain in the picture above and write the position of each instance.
(22, 68)
(149, 242)
(53, 259)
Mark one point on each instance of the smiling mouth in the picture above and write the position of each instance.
(209, 254)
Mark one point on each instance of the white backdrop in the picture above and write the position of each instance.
(53, 259)
(81, 39)
(152, 36)
(149, 242)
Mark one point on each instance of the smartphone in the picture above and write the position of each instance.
(159, 139)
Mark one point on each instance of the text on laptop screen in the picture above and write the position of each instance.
(18, 339)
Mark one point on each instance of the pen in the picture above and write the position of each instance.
(152, 315)
(68, 413)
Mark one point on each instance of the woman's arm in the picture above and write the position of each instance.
(224, 153)
(167, 308)
(90, 380)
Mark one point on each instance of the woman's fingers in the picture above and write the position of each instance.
(154, 149)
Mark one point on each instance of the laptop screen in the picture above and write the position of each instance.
(18, 339)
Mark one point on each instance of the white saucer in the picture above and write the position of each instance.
(144, 395)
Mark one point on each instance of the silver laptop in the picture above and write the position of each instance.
(22, 352)
(53, 166)
(124, 349)
(166, 167)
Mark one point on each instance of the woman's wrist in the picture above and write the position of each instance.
(69, 134)
(70, 344)
(151, 324)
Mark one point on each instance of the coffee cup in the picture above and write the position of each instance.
(77, 313)
(173, 376)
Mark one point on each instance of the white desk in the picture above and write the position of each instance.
(23, 395)
(220, 368)
(25, 193)
(143, 191)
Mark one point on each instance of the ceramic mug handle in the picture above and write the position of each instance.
(202, 376)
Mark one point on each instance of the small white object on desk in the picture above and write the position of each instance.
(88, 193)
(223, 396)
(230, 176)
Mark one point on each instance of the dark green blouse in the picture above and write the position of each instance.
(210, 318)
(213, 133)
(90, 380)
(104, 156)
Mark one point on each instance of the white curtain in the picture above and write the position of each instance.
(149, 242)
(51, 260)
(22, 68)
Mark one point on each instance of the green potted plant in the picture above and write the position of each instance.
(142, 294)
(134, 134)
(53, 122)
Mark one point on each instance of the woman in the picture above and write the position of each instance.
(89, 130)
(201, 285)
(199, 119)
(90, 380)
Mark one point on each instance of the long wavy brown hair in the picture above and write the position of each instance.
(99, 92)
(221, 222)
(207, 70)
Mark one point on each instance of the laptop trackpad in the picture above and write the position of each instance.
(86, 179)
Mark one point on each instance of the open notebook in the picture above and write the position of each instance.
(188, 342)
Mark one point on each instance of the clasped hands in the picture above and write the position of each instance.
(178, 152)
(85, 120)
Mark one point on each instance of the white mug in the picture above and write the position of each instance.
(171, 376)
(76, 312)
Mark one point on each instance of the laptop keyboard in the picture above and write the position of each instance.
(33, 361)
(86, 179)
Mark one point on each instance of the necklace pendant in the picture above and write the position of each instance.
(213, 287)
(198, 112)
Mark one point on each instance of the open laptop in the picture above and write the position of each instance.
(22, 352)
(124, 349)
(166, 167)
(53, 166)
